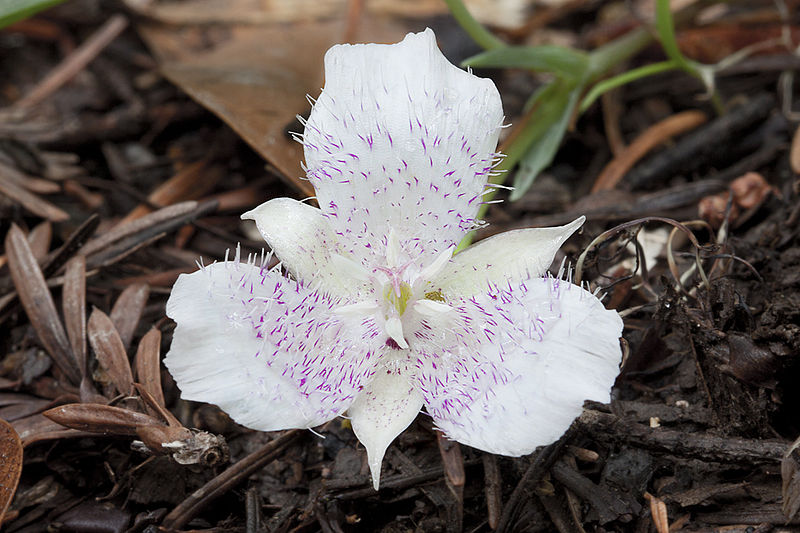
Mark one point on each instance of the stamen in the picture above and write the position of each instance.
(399, 301)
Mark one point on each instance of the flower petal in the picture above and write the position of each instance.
(267, 349)
(518, 364)
(400, 139)
(507, 257)
(381, 412)
(301, 237)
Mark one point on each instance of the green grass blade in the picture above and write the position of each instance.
(549, 58)
(12, 11)
(551, 124)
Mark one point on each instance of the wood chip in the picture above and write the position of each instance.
(38, 303)
(646, 141)
(110, 352)
(127, 311)
(148, 365)
(10, 465)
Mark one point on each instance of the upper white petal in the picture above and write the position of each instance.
(518, 364)
(401, 139)
(507, 257)
(381, 412)
(301, 237)
(266, 349)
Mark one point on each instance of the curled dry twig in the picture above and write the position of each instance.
(616, 229)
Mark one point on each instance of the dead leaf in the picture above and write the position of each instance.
(148, 365)
(38, 303)
(794, 153)
(658, 511)
(130, 233)
(110, 352)
(452, 459)
(74, 305)
(10, 465)
(255, 78)
(39, 239)
(31, 201)
(127, 311)
(99, 418)
(34, 185)
(154, 407)
(36, 428)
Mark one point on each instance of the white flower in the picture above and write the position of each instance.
(378, 318)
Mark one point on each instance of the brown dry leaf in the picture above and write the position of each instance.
(74, 305)
(10, 465)
(120, 231)
(34, 185)
(110, 352)
(155, 408)
(38, 302)
(658, 510)
(256, 78)
(124, 239)
(31, 201)
(39, 239)
(148, 365)
(36, 428)
(99, 418)
(749, 192)
(794, 153)
(127, 311)
(452, 459)
(18, 405)
(656, 134)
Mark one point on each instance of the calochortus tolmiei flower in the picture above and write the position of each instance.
(371, 315)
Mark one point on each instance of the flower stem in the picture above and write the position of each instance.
(624, 78)
(475, 29)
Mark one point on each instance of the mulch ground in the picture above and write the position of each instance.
(114, 183)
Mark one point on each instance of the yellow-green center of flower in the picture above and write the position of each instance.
(399, 302)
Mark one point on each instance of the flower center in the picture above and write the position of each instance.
(399, 301)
